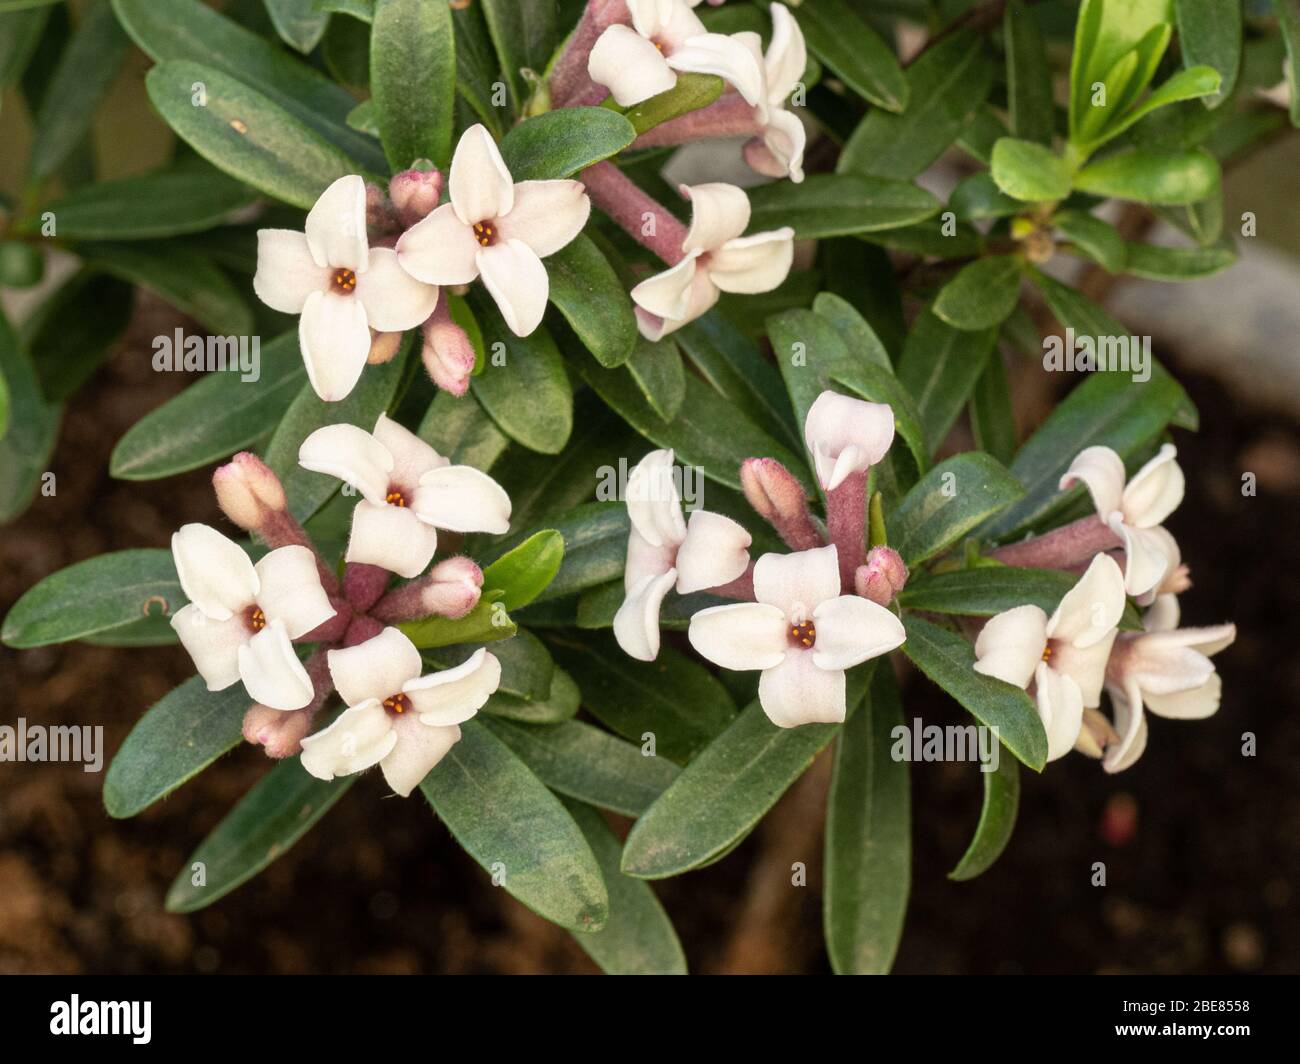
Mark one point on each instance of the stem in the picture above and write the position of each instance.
(846, 524)
(361, 629)
(730, 116)
(741, 588)
(364, 584)
(281, 529)
(568, 81)
(1062, 548)
(633, 211)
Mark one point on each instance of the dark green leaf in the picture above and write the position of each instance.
(1099, 240)
(982, 294)
(1288, 20)
(939, 368)
(300, 23)
(949, 501)
(20, 30)
(526, 666)
(460, 430)
(587, 291)
(524, 33)
(828, 205)
(69, 336)
(595, 542)
(997, 820)
(413, 80)
(560, 705)
(33, 425)
(992, 419)
(658, 372)
(1029, 77)
(851, 47)
(1177, 264)
(977, 198)
(563, 143)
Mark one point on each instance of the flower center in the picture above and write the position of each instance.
(256, 619)
(485, 234)
(344, 281)
(397, 704)
(395, 497)
(1047, 652)
(803, 635)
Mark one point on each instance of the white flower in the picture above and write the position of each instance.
(801, 632)
(1133, 510)
(846, 436)
(717, 259)
(396, 718)
(409, 491)
(1165, 669)
(778, 150)
(242, 617)
(639, 61)
(341, 287)
(1064, 656)
(664, 550)
(496, 229)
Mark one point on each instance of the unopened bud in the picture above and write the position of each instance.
(380, 215)
(448, 352)
(279, 733)
(383, 347)
(454, 587)
(414, 194)
(882, 577)
(771, 489)
(248, 492)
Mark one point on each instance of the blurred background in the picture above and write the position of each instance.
(1201, 844)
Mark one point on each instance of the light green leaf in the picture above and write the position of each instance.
(486, 622)
(523, 573)
(1168, 178)
(978, 198)
(1288, 21)
(949, 501)
(691, 93)
(595, 544)
(1028, 171)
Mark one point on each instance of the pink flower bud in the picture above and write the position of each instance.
(454, 587)
(383, 347)
(779, 499)
(278, 732)
(248, 492)
(448, 353)
(380, 215)
(415, 193)
(882, 577)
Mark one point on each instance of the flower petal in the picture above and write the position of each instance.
(719, 213)
(668, 294)
(418, 749)
(746, 635)
(784, 138)
(715, 551)
(753, 264)
(215, 573)
(629, 65)
(412, 457)
(335, 340)
(798, 691)
(352, 455)
(271, 671)
(1145, 561)
(547, 215)
(1060, 707)
(391, 537)
(787, 55)
(361, 736)
(290, 590)
(378, 668)
(1196, 704)
(645, 560)
(1010, 646)
(394, 300)
(728, 58)
(798, 583)
(213, 645)
(654, 504)
(479, 185)
(440, 249)
(454, 695)
(1130, 725)
(1091, 609)
(336, 226)
(1154, 491)
(850, 630)
(846, 435)
(517, 280)
(636, 624)
(462, 499)
(286, 272)
(1086, 666)
(1102, 470)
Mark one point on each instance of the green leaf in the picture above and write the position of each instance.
(459, 429)
(1029, 76)
(526, 666)
(583, 762)
(1099, 240)
(1288, 22)
(868, 837)
(996, 823)
(309, 491)
(523, 573)
(300, 23)
(20, 32)
(524, 35)
(1104, 33)
(691, 93)
(280, 809)
(476, 64)
(560, 704)
(992, 419)
(486, 622)
(213, 418)
(1030, 172)
(948, 660)
(504, 816)
(949, 501)
(939, 368)
(828, 205)
(1074, 310)
(33, 426)
(180, 735)
(982, 294)
(587, 291)
(659, 373)
(978, 198)
(1168, 178)
(78, 85)
(189, 29)
(851, 47)
(724, 792)
(638, 938)
(1185, 85)
(1177, 264)
(70, 334)
(413, 80)
(946, 85)
(246, 134)
(560, 144)
(99, 594)
(677, 700)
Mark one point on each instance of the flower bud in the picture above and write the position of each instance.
(448, 352)
(247, 491)
(414, 194)
(380, 215)
(383, 347)
(882, 577)
(779, 499)
(278, 732)
(454, 587)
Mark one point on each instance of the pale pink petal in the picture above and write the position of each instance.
(787, 55)
(1145, 561)
(352, 455)
(636, 624)
(391, 537)
(546, 216)
(412, 457)
(215, 573)
(286, 273)
(335, 340)
(1086, 665)
(1130, 725)
(1162, 615)
(747, 635)
(1092, 608)
(290, 590)
(394, 300)
(271, 671)
(361, 737)
(454, 695)
(645, 560)
(517, 281)
(784, 139)
(668, 294)
(1102, 470)
(418, 749)
(798, 583)
(1154, 491)
(213, 645)
(1010, 646)
(753, 264)
(728, 58)
(480, 186)
(719, 213)
(462, 499)
(668, 22)
(629, 65)
(846, 436)
(653, 502)
(378, 668)
(851, 630)
(336, 225)
(797, 692)
(1060, 707)
(1196, 704)
(715, 551)
(440, 249)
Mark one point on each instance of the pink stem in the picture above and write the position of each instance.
(280, 529)
(364, 584)
(729, 116)
(741, 588)
(1062, 548)
(633, 211)
(569, 83)
(331, 631)
(846, 524)
(361, 629)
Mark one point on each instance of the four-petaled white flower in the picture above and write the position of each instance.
(241, 617)
(409, 491)
(642, 60)
(340, 286)
(1133, 510)
(396, 718)
(664, 550)
(778, 150)
(802, 633)
(846, 436)
(1064, 656)
(496, 229)
(717, 259)
(1165, 669)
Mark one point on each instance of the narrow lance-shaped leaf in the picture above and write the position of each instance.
(1029, 77)
(413, 80)
(587, 292)
(691, 93)
(939, 368)
(660, 375)
(827, 205)
(524, 35)
(32, 426)
(846, 43)
(982, 294)
(563, 143)
(949, 501)
(997, 820)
